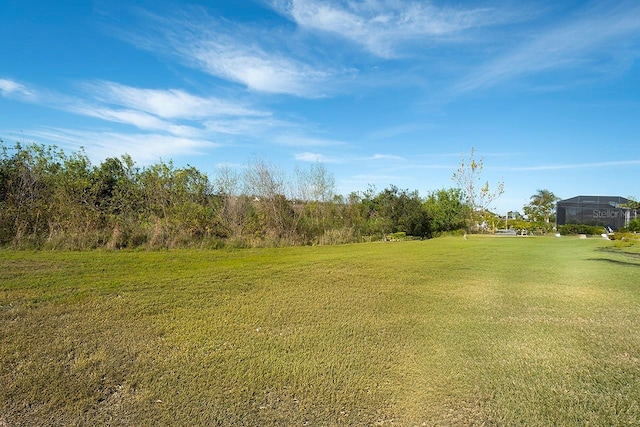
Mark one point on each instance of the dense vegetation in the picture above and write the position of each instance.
(483, 331)
(51, 199)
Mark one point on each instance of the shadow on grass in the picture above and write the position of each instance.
(615, 261)
(619, 251)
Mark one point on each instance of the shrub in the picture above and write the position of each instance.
(634, 225)
(580, 229)
(400, 235)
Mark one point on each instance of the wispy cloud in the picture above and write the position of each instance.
(315, 157)
(380, 27)
(245, 126)
(257, 69)
(233, 52)
(302, 140)
(583, 40)
(144, 148)
(165, 122)
(13, 89)
(168, 104)
(175, 112)
(397, 130)
(386, 157)
(138, 119)
(568, 166)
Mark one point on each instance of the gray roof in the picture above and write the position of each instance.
(598, 200)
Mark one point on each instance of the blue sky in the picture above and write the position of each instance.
(380, 92)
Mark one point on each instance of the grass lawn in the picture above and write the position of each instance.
(484, 331)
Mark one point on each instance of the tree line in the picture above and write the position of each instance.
(51, 199)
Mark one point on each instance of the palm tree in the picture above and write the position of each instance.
(543, 203)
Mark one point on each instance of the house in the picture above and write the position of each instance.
(608, 211)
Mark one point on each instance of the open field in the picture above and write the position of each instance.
(484, 331)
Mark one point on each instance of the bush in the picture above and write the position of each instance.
(453, 233)
(634, 225)
(400, 235)
(581, 229)
(625, 236)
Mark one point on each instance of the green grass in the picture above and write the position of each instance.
(484, 331)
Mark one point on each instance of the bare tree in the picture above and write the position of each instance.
(316, 187)
(233, 205)
(477, 195)
(267, 185)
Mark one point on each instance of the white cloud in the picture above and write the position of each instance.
(168, 104)
(257, 69)
(166, 110)
(236, 53)
(173, 121)
(172, 111)
(144, 148)
(397, 130)
(9, 86)
(309, 157)
(298, 140)
(381, 26)
(569, 166)
(13, 89)
(161, 137)
(139, 119)
(315, 158)
(247, 126)
(581, 42)
(386, 157)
